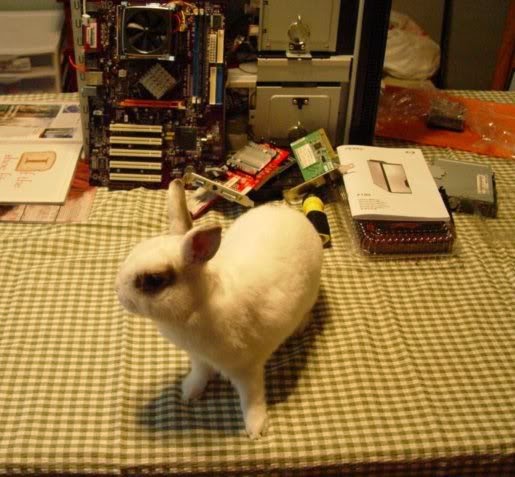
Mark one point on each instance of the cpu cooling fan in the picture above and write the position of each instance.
(146, 31)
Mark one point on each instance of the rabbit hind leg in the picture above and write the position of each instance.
(250, 385)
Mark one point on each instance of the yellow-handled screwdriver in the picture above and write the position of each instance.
(313, 208)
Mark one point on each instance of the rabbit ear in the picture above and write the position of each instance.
(201, 243)
(178, 214)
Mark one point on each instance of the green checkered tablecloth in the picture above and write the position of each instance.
(408, 367)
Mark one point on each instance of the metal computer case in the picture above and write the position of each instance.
(346, 71)
(320, 18)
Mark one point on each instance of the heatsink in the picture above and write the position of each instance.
(157, 81)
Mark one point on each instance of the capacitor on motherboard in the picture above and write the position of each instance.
(313, 208)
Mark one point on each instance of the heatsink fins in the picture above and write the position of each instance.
(157, 81)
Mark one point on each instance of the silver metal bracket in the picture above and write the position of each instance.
(218, 188)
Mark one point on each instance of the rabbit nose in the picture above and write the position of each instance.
(126, 302)
(118, 286)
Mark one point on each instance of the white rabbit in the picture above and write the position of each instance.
(228, 303)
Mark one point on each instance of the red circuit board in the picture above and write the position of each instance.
(247, 182)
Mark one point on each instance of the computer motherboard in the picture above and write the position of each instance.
(154, 75)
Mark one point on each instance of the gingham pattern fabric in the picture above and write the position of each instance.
(408, 367)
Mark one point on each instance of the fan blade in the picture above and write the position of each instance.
(162, 40)
(145, 44)
(155, 42)
(135, 26)
(155, 21)
(137, 18)
(147, 19)
(147, 31)
(133, 39)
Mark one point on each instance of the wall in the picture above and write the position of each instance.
(476, 28)
(30, 5)
(428, 14)
(475, 37)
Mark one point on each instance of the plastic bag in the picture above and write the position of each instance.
(489, 128)
(410, 53)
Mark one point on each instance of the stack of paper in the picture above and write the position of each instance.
(40, 144)
(394, 201)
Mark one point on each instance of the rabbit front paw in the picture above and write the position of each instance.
(255, 422)
(192, 387)
(195, 382)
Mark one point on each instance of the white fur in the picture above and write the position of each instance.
(229, 313)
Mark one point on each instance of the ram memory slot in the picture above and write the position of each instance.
(212, 85)
(198, 51)
(195, 71)
(188, 90)
(219, 84)
(216, 84)
(220, 46)
(205, 58)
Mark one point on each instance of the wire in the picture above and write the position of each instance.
(177, 17)
(182, 2)
(80, 68)
(191, 5)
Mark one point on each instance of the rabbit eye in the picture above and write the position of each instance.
(154, 282)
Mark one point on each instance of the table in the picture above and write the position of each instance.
(408, 367)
